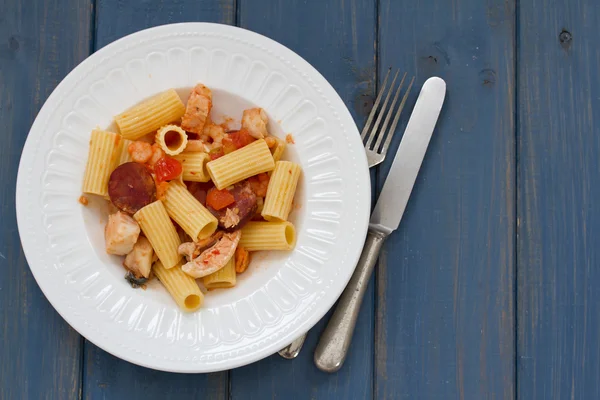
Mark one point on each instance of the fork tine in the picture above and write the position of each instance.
(365, 130)
(374, 131)
(397, 117)
(384, 131)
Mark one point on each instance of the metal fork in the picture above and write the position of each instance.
(377, 142)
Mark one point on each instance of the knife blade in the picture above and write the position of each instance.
(333, 346)
(402, 176)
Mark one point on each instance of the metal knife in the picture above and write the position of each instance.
(335, 340)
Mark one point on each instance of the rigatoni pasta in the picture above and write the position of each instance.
(124, 154)
(160, 231)
(278, 149)
(234, 167)
(194, 166)
(150, 115)
(223, 278)
(258, 235)
(186, 210)
(281, 190)
(182, 287)
(191, 198)
(172, 139)
(102, 159)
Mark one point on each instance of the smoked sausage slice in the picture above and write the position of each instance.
(236, 215)
(131, 187)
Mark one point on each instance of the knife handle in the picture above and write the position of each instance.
(292, 350)
(335, 340)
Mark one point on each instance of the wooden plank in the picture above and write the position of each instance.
(337, 37)
(445, 320)
(116, 18)
(39, 352)
(108, 377)
(104, 375)
(558, 184)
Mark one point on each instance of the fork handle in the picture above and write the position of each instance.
(292, 350)
(335, 340)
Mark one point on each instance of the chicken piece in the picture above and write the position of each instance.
(231, 218)
(120, 234)
(215, 257)
(139, 260)
(255, 120)
(197, 109)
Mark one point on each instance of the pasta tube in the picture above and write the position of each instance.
(194, 166)
(258, 235)
(281, 190)
(278, 149)
(102, 159)
(160, 231)
(223, 278)
(243, 163)
(172, 139)
(124, 155)
(182, 287)
(150, 115)
(191, 216)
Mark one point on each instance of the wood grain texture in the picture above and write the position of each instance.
(558, 183)
(118, 18)
(39, 352)
(444, 300)
(337, 37)
(105, 376)
(108, 377)
(445, 284)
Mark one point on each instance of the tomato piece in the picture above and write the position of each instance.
(219, 199)
(216, 153)
(241, 138)
(228, 145)
(167, 168)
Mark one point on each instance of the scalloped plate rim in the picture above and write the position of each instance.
(76, 322)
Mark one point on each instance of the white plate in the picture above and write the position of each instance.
(282, 295)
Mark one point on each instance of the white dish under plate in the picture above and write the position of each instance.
(282, 295)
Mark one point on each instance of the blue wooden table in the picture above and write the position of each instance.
(488, 289)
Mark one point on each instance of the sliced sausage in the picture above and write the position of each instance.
(131, 187)
(241, 211)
